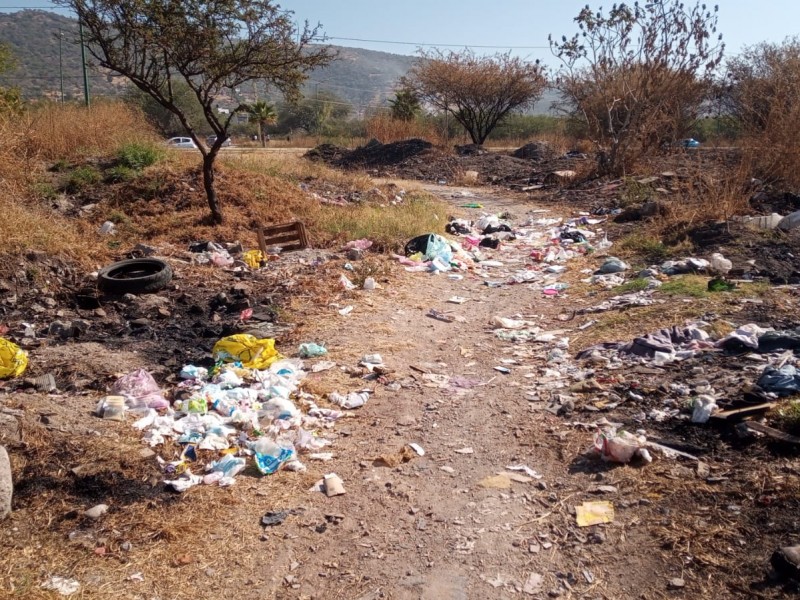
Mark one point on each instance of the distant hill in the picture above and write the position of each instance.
(364, 78)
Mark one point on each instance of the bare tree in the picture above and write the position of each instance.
(479, 91)
(213, 46)
(638, 76)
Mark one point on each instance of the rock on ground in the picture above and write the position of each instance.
(6, 484)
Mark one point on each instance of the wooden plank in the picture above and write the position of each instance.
(262, 243)
(284, 228)
(277, 240)
(739, 414)
(773, 433)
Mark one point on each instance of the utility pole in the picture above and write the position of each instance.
(61, 62)
(83, 62)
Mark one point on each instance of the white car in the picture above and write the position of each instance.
(182, 142)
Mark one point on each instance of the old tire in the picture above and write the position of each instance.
(135, 276)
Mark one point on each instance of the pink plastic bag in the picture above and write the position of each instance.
(620, 447)
(358, 245)
(140, 390)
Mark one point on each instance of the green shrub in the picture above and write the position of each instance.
(45, 191)
(138, 155)
(120, 174)
(81, 178)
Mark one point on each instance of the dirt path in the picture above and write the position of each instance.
(442, 526)
(428, 528)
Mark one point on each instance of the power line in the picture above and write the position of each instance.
(330, 37)
(350, 39)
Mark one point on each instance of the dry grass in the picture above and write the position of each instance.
(165, 203)
(706, 191)
(71, 132)
(385, 129)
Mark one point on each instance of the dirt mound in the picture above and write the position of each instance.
(535, 151)
(419, 159)
(773, 254)
(375, 154)
(329, 153)
(782, 203)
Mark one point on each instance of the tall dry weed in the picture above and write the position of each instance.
(386, 129)
(72, 132)
(761, 99)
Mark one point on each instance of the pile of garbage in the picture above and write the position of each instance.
(546, 241)
(241, 409)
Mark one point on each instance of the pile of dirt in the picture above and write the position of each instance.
(328, 153)
(375, 154)
(769, 254)
(420, 160)
(782, 203)
(535, 151)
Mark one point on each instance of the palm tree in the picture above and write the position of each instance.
(265, 114)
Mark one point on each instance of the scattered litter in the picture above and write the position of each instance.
(417, 448)
(96, 511)
(254, 258)
(62, 585)
(363, 244)
(613, 265)
(140, 391)
(703, 407)
(312, 350)
(333, 485)
(525, 469)
(242, 348)
(440, 316)
(621, 446)
(346, 311)
(107, 228)
(324, 365)
(784, 381)
(456, 300)
(351, 400)
(594, 513)
(465, 451)
(273, 518)
(496, 482)
(13, 359)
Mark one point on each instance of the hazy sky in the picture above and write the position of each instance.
(503, 23)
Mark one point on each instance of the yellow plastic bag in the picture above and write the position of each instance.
(13, 359)
(253, 258)
(250, 351)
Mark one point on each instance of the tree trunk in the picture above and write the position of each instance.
(208, 184)
(263, 139)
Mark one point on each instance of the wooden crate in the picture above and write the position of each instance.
(289, 236)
